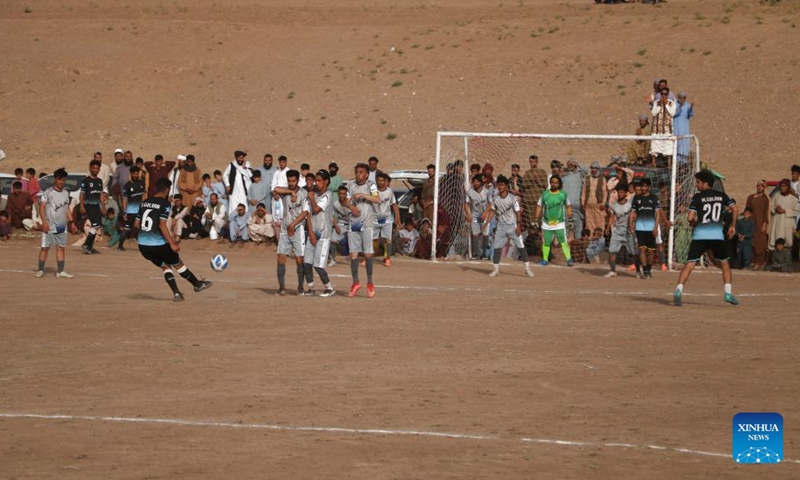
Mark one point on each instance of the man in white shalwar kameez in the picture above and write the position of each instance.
(237, 178)
(784, 216)
(663, 116)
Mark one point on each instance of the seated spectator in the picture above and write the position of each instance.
(5, 226)
(175, 223)
(781, 257)
(194, 220)
(259, 226)
(409, 236)
(237, 224)
(19, 207)
(110, 227)
(214, 218)
(424, 243)
(596, 246)
(745, 231)
(578, 246)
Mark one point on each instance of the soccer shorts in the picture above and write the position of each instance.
(292, 244)
(360, 242)
(50, 239)
(478, 228)
(646, 239)
(505, 233)
(94, 215)
(698, 247)
(317, 255)
(131, 220)
(560, 234)
(620, 239)
(160, 255)
(382, 229)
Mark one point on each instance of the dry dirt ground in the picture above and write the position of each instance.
(314, 80)
(445, 373)
(230, 384)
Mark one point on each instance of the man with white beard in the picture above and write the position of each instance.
(237, 178)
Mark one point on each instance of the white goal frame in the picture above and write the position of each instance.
(468, 135)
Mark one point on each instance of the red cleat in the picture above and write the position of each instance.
(370, 290)
(388, 262)
(354, 288)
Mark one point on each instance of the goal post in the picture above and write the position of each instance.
(672, 177)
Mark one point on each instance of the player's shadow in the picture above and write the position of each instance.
(484, 268)
(656, 300)
(145, 296)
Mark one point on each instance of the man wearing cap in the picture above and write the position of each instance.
(681, 126)
(267, 170)
(175, 175)
(594, 198)
(237, 178)
(534, 182)
(759, 205)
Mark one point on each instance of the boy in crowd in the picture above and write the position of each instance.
(781, 257)
(408, 238)
(110, 227)
(745, 230)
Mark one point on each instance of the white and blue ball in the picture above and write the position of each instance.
(219, 263)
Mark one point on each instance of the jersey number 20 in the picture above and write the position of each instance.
(712, 212)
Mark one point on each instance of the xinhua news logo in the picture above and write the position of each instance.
(758, 437)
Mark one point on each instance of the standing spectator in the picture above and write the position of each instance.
(33, 182)
(681, 126)
(573, 178)
(622, 176)
(56, 220)
(428, 191)
(305, 171)
(237, 178)
(784, 216)
(259, 192)
(373, 168)
(105, 171)
(267, 170)
(19, 206)
(638, 152)
(663, 112)
(121, 176)
(745, 228)
(594, 197)
(143, 174)
(279, 177)
(795, 189)
(336, 180)
(156, 170)
(759, 204)
(175, 174)
(515, 182)
(20, 177)
(534, 182)
(190, 180)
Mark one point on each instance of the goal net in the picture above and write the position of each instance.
(496, 153)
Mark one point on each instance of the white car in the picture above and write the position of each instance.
(6, 179)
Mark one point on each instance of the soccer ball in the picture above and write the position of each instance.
(219, 262)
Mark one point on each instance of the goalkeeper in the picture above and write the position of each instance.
(556, 207)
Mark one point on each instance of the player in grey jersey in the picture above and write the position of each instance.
(618, 226)
(341, 225)
(384, 212)
(292, 238)
(320, 224)
(362, 197)
(509, 227)
(56, 220)
(476, 208)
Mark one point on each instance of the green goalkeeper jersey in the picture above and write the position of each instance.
(554, 208)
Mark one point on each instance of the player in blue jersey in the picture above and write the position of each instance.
(706, 212)
(133, 193)
(156, 243)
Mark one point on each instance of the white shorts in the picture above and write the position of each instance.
(50, 239)
(360, 242)
(618, 240)
(317, 255)
(382, 230)
(504, 233)
(292, 244)
(478, 228)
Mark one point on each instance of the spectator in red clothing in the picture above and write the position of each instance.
(20, 174)
(19, 205)
(157, 170)
(33, 182)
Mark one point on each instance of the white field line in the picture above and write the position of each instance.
(533, 290)
(355, 431)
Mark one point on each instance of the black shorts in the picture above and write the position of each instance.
(128, 224)
(94, 215)
(160, 255)
(646, 239)
(698, 248)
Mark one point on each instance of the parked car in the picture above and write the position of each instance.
(6, 179)
(406, 183)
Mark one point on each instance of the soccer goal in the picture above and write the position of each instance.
(672, 177)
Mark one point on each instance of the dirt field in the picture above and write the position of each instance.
(445, 373)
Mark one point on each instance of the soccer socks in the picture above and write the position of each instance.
(680, 288)
(354, 269)
(282, 275)
(523, 254)
(170, 278)
(323, 276)
(546, 253)
(122, 236)
(300, 275)
(612, 266)
(41, 265)
(728, 288)
(309, 271)
(388, 249)
(188, 276)
(565, 249)
(369, 269)
(496, 258)
(59, 262)
(89, 243)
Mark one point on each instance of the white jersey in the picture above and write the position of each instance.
(505, 209)
(366, 217)
(384, 209)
